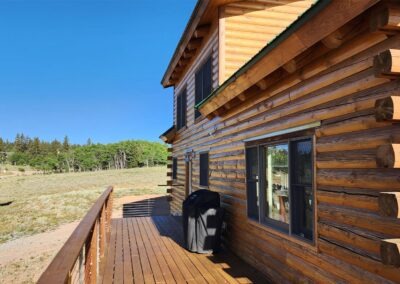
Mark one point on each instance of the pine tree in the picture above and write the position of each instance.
(18, 144)
(34, 149)
(66, 145)
(55, 146)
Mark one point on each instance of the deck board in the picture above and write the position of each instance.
(150, 250)
(160, 246)
(128, 272)
(136, 263)
(110, 255)
(119, 261)
(144, 260)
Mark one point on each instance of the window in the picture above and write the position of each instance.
(279, 177)
(203, 84)
(174, 168)
(204, 169)
(181, 110)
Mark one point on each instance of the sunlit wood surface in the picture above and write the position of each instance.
(149, 250)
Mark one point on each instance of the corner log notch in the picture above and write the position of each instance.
(388, 109)
(388, 156)
(235, 102)
(386, 19)
(306, 57)
(332, 41)
(194, 44)
(390, 252)
(202, 31)
(345, 33)
(389, 204)
(387, 64)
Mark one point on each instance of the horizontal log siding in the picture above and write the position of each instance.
(339, 90)
(247, 26)
(209, 48)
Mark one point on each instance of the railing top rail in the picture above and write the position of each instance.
(63, 262)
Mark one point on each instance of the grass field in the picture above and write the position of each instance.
(44, 202)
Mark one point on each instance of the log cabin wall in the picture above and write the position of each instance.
(339, 88)
(247, 26)
(209, 48)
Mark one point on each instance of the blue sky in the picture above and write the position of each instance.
(87, 68)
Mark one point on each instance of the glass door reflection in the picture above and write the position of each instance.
(277, 182)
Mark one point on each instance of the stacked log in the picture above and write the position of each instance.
(350, 85)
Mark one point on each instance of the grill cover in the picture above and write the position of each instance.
(202, 221)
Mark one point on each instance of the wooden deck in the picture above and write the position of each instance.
(149, 250)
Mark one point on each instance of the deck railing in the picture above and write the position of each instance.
(81, 257)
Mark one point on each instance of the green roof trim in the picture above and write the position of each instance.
(316, 7)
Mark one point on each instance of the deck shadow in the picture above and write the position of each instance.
(156, 206)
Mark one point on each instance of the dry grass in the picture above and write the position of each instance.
(24, 270)
(43, 202)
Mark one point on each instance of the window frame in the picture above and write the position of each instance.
(208, 169)
(268, 223)
(174, 168)
(181, 110)
(197, 115)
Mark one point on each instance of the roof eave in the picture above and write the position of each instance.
(199, 9)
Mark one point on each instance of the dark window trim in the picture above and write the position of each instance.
(208, 169)
(174, 168)
(275, 225)
(197, 115)
(181, 110)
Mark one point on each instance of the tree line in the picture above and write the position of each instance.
(62, 156)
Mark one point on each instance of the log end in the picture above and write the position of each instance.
(334, 40)
(379, 19)
(386, 64)
(290, 67)
(387, 156)
(388, 203)
(387, 109)
(390, 252)
(385, 19)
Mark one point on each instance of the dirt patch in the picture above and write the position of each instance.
(23, 260)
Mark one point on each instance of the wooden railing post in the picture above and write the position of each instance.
(103, 224)
(109, 203)
(91, 260)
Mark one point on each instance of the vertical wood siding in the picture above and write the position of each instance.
(247, 26)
